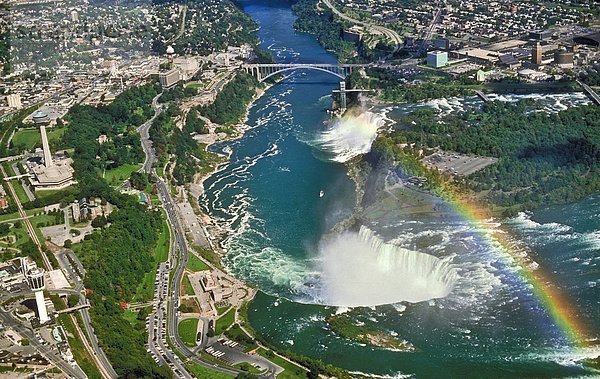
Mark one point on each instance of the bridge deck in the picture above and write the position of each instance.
(590, 92)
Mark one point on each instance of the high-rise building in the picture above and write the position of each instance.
(14, 101)
(169, 78)
(74, 16)
(35, 278)
(536, 54)
(564, 58)
(437, 59)
(41, 119)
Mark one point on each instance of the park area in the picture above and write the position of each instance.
(188, 330)
(29, 139)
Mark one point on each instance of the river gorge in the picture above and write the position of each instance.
(414, 268)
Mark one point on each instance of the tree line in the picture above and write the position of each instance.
(543, 158)
(117, 256)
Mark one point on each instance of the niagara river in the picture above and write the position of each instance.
(432, 278)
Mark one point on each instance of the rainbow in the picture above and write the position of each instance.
(563, 312)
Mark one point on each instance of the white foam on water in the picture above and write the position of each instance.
(397, 375)
(564, 356)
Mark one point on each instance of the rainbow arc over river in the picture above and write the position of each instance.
(551, 297)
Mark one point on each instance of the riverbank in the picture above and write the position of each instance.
(195, 189)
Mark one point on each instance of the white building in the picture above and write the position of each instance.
(14, 101)
(187, 67)
(437, 59)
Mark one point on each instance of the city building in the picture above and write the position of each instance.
(563, 58)
(3, 198)
(45, 147)
(75, 211)
(441, 44)
(11, 274)
(590, 39)
(509, 61)
(102, 138)
(40, 117)
(540, 35)
(35, 278)
(483, 56)
(84, 210)
(14, 101)
(187, 67)
(482, 76)
(74, 16)
(48, 173)
(169, 78)
(536, 54)
(437, 59)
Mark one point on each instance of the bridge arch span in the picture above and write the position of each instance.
(263, 71)
(279, 71)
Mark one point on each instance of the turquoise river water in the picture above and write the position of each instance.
(460, 304)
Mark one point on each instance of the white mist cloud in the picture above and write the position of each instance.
(350, 136)
(359, 269)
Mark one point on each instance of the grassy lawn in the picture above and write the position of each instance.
(237, 334)
(65, 192)
(187, 331)
(145, 289)
(5, 369)
(160, 171)
(195, 264)
(221, 310)
(187, 285)
(9, 216)
(28, 139)
(225, 321)
(34, 211)
(291, 371)
(196, 85)
(161, 252)
(20, 191)
(118, 175)
(45, 220)
(206, 373)
(247, 367)
(130, 316)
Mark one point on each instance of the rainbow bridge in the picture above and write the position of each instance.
(263, 71)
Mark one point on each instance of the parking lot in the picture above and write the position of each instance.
(232, 353)
(455, 164)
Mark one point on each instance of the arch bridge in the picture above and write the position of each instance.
(263, 71)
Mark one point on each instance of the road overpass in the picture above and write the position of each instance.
(376, 29)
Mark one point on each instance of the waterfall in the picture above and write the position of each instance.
(360, 269)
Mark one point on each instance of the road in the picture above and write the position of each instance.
(95, 351)
(144, 131)
(163, 320)
(181, 26)
(92, 346)
(391, 34)
(429, 32)
(72, 371)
